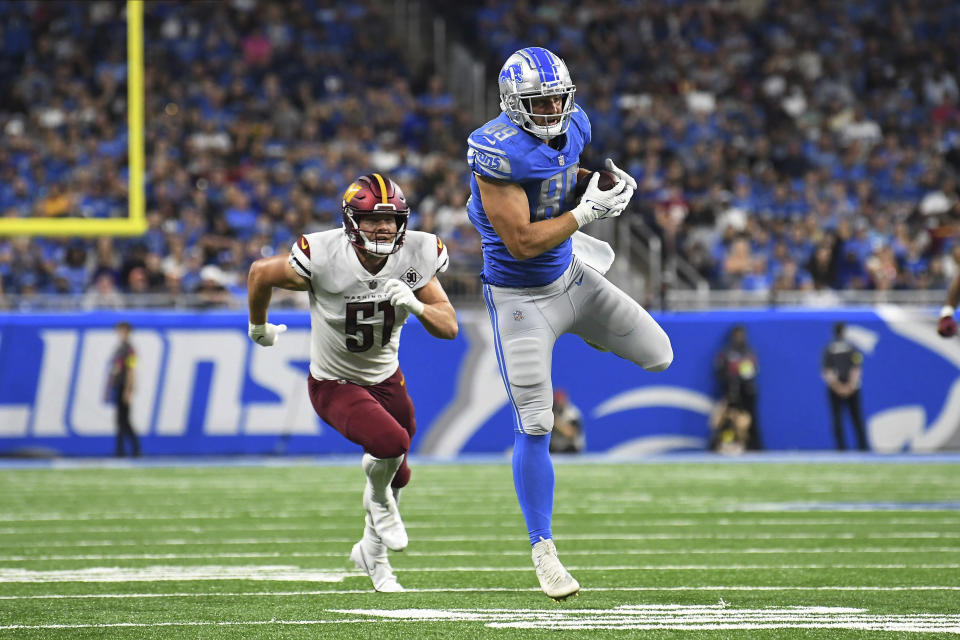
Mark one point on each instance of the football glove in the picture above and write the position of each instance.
(597, 204)
(620, 173)
(401, 296)
(947, 327)
(265, 335)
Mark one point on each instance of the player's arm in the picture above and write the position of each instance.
(429, 303)
(508, 210)
(948, 326)
(265, 274)
(438, 317)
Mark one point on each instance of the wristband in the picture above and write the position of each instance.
(583, 214)
(416, 309)
(947, 311)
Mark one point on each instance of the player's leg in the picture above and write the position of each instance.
(353, 411)
(393, 396)
(608, 317)
(370, 553)
(524, 337)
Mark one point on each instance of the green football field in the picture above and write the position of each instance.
(662, 550)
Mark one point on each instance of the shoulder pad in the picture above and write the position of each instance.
(443, 258)
(300, 256)
(582, 122)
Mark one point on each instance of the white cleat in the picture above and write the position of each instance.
(385, 519)
(378, 568)
(554, 579)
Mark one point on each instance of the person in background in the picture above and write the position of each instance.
(842, 371)
(729, 428)
(568, 434)
(120, 388)
(736, 370)
(947, 326)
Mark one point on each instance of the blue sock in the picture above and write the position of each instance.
(533, 480)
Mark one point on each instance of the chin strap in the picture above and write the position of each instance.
(371, 246)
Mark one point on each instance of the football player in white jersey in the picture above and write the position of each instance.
(364, 281)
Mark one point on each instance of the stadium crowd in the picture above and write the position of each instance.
(257, 118)
(784, 145)
(778, 145)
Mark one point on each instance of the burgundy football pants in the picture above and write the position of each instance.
(379, 418)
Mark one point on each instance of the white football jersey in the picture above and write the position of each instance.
(354, 330)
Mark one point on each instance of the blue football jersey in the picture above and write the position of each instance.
(501, 150)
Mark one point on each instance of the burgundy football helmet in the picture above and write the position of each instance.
(374, 194)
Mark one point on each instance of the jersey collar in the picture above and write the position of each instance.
(361, 272)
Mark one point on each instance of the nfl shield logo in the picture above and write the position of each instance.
(560, 159)
(518, 315)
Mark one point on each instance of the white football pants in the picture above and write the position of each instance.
(527, 323)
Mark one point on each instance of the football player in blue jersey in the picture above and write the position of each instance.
(536, 286)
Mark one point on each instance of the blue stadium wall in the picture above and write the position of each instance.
(204, 388)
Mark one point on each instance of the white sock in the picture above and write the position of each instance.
(380, 472)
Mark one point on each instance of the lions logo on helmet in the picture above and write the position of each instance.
(374, 194)
(531, 73)
(512, 73)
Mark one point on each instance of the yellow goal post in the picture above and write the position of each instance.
(135, 223)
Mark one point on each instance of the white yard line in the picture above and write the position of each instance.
(676, 617)
(639, 522)
(679, 617)
(506, 552)
(193, 623)
(337, 592)
(109, 542)
(218, 512)
(176, 573)
(329, 574)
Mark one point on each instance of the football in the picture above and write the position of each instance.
(607, 180)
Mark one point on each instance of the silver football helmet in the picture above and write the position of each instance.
(535, 72)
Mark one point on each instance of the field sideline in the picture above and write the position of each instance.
(780, 549)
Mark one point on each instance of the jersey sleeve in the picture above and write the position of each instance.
(300, 257)
(432, 258)
(443, 258)
(486, 158)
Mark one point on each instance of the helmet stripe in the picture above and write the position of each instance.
(528, 56)
(544, 63)
(383, 187)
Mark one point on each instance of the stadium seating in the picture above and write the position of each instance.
(778, 146)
